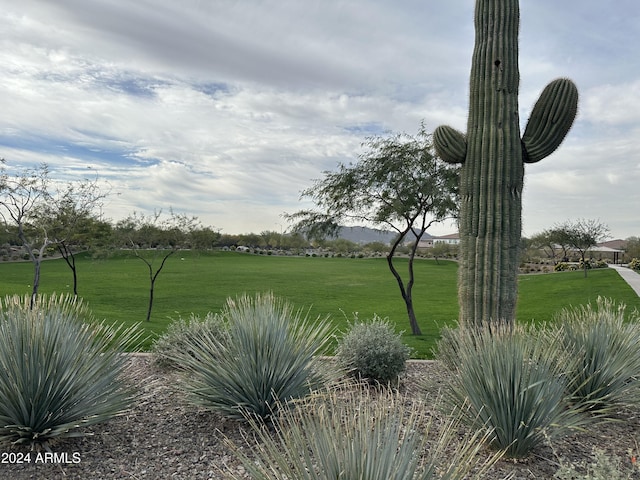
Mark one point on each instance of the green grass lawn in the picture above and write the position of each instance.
(117, 289)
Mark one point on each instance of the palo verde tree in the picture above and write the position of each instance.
(22, 193)
(493, 154)
(398, 183)
(153, 239)
(581, 235)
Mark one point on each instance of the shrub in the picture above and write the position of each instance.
(509, 380)
(634, 264)
(60, 369)
(180, 335)
(373, 351)
(566, 267)
(350, 433)
(269, 358)
(607, 374)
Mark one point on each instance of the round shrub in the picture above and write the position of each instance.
(60, 369)
(373, 351)
(635, 264)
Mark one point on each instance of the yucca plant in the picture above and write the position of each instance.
(61, 370)
(353, 433)
(510, 379)
(269, 357)
(606, 344)
(373, 351)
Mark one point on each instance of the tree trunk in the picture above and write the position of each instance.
(405, 291)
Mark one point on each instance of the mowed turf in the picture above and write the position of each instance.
(117, 289)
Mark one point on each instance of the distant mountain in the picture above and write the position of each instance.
(362, 235)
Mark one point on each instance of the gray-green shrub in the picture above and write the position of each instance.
(372, 351)
(606, 344)
(269, 357)
(511, 381)
(352, 433)
(180, 334)
(61, 370)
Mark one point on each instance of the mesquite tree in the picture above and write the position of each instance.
(397, 183)
(493, 154)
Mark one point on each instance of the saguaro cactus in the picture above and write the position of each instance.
(493, 155)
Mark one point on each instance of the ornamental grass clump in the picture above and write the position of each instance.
(350, 432)
(61, 370)
(605, 343)
(269, 357)
(511, 380)
(180, 335)
(373, 351)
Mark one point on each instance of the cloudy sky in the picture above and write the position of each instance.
(227, 109)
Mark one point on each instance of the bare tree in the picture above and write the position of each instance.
(153, 239)
(21, 195)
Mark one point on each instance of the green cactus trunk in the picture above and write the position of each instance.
(492, 176)
(493, 155)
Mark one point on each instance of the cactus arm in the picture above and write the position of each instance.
(550, 121)
(450, 144)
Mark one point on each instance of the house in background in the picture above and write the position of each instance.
(428, 241)
(451, 239)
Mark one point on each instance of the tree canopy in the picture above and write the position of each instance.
(398, 183)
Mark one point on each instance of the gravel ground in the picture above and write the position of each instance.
(163, 437)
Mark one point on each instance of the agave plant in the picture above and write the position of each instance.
(61, 369)
(268, 356)
(347, 432)
(512, 380)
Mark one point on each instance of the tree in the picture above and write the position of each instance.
(551, 242)
(71, 219)
(581, 235)
(632, 247)
(398, 183)
(21, 195)
(154, 239)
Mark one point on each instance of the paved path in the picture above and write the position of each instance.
(630, 276)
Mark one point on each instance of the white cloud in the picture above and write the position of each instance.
(227, 110)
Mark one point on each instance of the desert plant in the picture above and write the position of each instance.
(269, 358)
(348, 432)
(510, 380)
(605, 343)
(493, 154)
(180, 334)
(61, 370)
(634, 264)
(372, 350)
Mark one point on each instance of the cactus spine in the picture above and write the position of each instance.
(492, 155)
